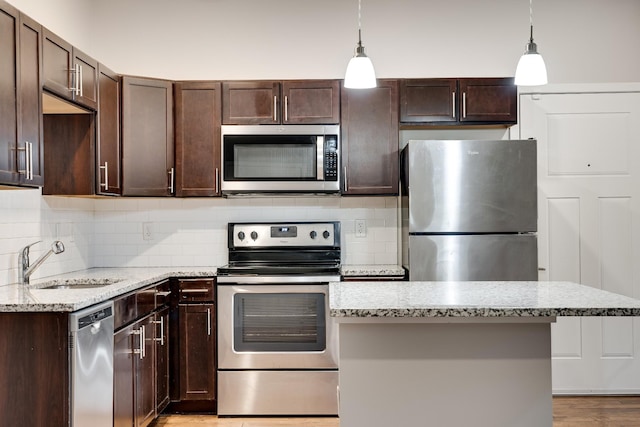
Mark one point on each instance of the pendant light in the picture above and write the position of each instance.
(360, 73)
(531, 70)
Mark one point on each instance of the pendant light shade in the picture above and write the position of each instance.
(360, 73)
(531, 70)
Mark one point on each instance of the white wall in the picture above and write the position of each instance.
(281, 39)
(27, 217)
(107, 232)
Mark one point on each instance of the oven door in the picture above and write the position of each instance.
(275, 326)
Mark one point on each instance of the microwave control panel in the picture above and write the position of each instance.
(331, 158)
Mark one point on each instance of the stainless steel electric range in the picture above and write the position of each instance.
(277, 345)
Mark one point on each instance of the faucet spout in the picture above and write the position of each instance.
(26, 270)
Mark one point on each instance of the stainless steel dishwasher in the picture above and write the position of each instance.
(91, 354)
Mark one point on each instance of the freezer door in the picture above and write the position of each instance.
(471, 186)
(473, 257)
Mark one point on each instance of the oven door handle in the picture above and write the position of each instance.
(265, 280)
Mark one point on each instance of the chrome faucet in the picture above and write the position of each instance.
(25, 269)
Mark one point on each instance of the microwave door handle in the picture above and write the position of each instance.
(320, 158)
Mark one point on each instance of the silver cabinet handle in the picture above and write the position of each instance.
(275, 108)
(346, 187)
(286, 108)
(29, 160)
(217, 181)
(163, 293)
(171, 179)
(453, 103)
(106, 176)
(143, 340)
(140, 350)
(194, 291)
(208, 321)
(161, 339)
(80, 83)
(464, 105)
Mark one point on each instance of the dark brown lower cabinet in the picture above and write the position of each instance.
(162, 359)
(134, 374)
(141, 356)
(34, 361)
(193, 346)
(197, 345)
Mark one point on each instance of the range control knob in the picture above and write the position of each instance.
(241, 235)
(313, 234)
(254, 235)
(325, 234)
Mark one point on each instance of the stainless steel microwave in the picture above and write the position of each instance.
(280, 159)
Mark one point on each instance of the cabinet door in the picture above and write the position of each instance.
(250, 103)
(87, 86)
(311, 102)
(489, 100)
(147, 137)
(30, 127)
(198, 115)
(57, 64)
(9, 18)
(197, 350)
(145, 367)
(108, 134)
(370, 140)
(428, 100)
(161, 338)
(124, 343)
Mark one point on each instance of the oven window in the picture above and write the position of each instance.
(270, 158)
(279, 322)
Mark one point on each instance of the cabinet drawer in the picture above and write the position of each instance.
(124, 310)
(195, 290)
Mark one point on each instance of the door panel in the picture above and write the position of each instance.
(589, 186)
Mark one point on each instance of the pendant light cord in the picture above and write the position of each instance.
(531, 20)
(360, 22)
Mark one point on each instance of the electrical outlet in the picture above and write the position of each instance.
(361, 228)
(147, 232)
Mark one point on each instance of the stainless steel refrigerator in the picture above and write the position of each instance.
(469, 210)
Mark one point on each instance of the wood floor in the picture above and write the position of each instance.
(567, 412)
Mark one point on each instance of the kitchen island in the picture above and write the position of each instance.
(454, 353)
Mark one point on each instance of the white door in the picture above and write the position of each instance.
(589, 227)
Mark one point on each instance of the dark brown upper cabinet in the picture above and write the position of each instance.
(455, 102)
(197, 123)
(370, 133)
(21, 156)
(281, 102)
(68, 72)
(108, 148)
(147, 137)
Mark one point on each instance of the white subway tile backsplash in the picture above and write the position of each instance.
(107, 232)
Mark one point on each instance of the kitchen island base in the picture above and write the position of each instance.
(453, 372)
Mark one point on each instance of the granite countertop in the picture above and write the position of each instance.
(364, 270)
(475, 299)
(19, 298)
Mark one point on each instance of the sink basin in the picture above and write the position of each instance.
(77, 284)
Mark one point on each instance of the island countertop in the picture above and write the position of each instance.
(395, 299)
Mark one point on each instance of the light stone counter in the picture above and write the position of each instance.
(31, 298)
(454, 353)
(475, 299)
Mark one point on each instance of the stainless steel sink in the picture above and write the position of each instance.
(77, 284)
